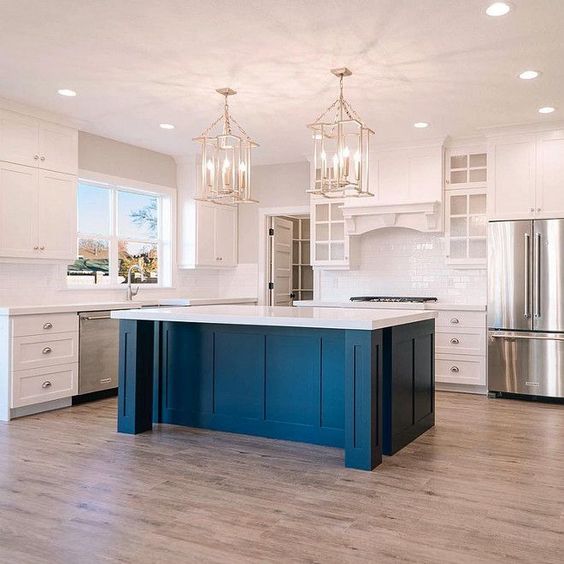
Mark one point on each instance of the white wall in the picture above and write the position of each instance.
(46, 283)
(396, 261)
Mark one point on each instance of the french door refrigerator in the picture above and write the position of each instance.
(526, 307)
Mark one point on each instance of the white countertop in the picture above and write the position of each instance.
(100, 306)
(313, 317)
(437, 306)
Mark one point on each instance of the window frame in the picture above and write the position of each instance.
(166, 236)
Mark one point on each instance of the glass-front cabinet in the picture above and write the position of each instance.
(466, 228)
(329, 242)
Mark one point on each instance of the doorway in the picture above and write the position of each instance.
(289, 271)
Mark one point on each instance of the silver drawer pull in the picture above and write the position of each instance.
(105, 380)
(47, 350)
(454, 341)
(46, 384)
(454, 369)
(455, 320)
(48, 325)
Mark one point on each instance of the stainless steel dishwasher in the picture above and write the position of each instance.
(98, 352)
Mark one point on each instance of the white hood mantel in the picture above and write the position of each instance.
(421, 216)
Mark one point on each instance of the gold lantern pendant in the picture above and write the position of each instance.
(226, 159)
(341, 149)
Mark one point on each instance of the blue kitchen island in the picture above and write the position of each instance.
(362, 380)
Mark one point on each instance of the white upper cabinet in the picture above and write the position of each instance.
(407, 175)
(37, 214)
(18, 206)
(550, 175)
(512, 186)
(466, 167)
(216, 236)
(528, 176)
(330, 245)
(56, 233)
(33, 142)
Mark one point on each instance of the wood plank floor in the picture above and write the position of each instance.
(485, 485)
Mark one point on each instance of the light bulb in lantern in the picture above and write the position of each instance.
(209, 166)
(357, 166)
(323, 157)
(242, 175)
(335, 167)
(345, 162)
(226, 172)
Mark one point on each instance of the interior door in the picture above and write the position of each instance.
(57, 215)
(510, 275)
(281, 262)
(548, 271)
(18, 211)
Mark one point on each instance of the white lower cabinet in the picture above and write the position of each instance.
(460, 347)
(39, 385)
(41, 360)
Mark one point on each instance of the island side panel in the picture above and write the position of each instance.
(135, 391)
(363, 399)
(277, 382)
(409, 383)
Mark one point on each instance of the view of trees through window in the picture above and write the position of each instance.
(117, 228)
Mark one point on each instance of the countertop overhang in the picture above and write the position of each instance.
(312, 317)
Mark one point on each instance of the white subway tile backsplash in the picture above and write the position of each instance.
(399, 261)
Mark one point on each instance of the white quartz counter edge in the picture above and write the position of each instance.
(100, 306)
(325, 318)
(375, 305)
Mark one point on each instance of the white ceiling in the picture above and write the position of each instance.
(138, 63)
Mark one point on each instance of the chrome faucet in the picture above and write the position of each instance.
(130, 291)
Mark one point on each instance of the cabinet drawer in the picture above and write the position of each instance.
(44, 324)
(462, 341)
(44, 384)
(452, 318)
(38, 351)
(461, 370)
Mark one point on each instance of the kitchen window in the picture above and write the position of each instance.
(119, 227)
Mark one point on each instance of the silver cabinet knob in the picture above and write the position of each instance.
(454, 369)
(36, 248)
(42, 158)
(48, 325)
(35, 157)
(538, 209)
(454, 341)
(41, 248)
(46, 384)
(454, 320)
(46, 350)
(532, 210)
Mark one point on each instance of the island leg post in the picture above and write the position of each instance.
(363, 399)
(135, 391)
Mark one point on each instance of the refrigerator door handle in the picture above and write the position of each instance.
(540, 337)
(527, 312)
(537, 275)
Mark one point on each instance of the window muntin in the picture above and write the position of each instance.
(117, 228)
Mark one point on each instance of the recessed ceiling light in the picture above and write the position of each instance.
(546, 110)
(66, 92)
(421, 124)
(166, 126)
(529, 74)
(498, 9)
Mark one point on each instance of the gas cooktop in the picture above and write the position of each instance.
(398, 299)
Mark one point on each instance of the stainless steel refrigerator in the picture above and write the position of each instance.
(526, 307)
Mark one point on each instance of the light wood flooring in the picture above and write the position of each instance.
(485, 485)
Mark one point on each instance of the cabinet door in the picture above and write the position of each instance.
(514, 169)
(550, 180)
(19, 138)
(330, 246)
(18, 211)
(58, 148)
(205, 235)
(226, 235)
(57, 215)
